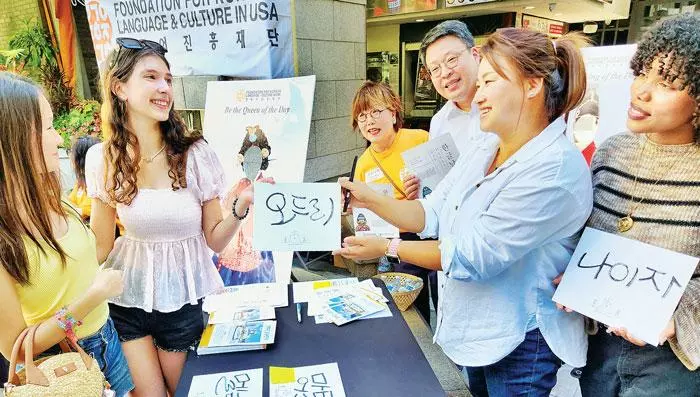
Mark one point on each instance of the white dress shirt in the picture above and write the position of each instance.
(503, 239)
(463, 126)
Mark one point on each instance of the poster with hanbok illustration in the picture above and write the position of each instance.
(603, 111)
(259, 129)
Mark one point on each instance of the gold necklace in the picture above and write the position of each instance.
(626, 222)
(150, 160)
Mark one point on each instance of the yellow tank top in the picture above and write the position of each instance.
(52, 286)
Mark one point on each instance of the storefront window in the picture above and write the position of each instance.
(378, 8)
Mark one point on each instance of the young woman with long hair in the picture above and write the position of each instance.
(165, 184)
(49, 274)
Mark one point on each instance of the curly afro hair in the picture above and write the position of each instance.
(676, 43)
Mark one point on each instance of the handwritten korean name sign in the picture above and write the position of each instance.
(248, 383)
(312, 381)
(625, 283)
(297, 217)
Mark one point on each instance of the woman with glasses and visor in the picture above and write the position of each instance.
(165, 184)
(376, 113)
(508, 216)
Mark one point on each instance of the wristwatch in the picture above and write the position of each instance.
(392, 251)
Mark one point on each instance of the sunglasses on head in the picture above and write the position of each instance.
(136, 44)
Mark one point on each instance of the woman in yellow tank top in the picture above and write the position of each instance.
(49, 274)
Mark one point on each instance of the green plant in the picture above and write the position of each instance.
(83, 119)
(37, 47)
(60, 93)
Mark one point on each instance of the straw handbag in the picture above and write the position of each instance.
(63, 375)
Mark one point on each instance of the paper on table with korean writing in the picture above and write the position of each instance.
(367, 223)
(312, 381)
(297, 217)
(431, 161)
(625, 283)
(247, 383)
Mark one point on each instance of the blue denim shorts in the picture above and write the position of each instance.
(177, 331)
(104, 346)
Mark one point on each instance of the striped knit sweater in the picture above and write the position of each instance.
(669, 216)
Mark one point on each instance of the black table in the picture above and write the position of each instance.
(376, 357)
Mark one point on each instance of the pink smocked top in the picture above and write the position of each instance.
(164, 257)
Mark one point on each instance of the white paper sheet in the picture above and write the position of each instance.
(314, 380)
(264, 294)
(247, 383)
(297, 217)
(625, 283)
(431, 161)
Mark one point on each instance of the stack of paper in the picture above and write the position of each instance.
(343, 305)
(304, 291)
(251, 295)
(314, 380)
(241, 314)
(318, 294)
(240, 336)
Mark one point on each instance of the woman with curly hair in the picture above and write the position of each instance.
(165, 184)
(646, 187)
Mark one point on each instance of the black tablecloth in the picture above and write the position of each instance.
(376, 357)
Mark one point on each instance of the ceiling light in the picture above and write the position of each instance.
(529, 8)
(420, 20)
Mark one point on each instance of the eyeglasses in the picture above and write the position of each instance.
(450, 63)
(362, 117)
(136, 44)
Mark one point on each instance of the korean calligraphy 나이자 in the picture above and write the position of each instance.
(312, 381)
(247, 383)
(625, 283)
(297, 217)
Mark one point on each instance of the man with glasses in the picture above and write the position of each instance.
(452, 60)
(448, 53)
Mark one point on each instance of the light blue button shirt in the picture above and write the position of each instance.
(503, 239)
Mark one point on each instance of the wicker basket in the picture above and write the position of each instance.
(403, 299)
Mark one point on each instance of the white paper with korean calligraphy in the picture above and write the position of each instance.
(248, 383)
(431, 161)
(625, 283)
(297, 217)
(314, 380)
(367, 223)
(273, 116)
(202, 37)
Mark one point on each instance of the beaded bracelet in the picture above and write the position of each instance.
(233, 210)
(67, 323)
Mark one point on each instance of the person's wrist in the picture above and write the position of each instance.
(241, 206)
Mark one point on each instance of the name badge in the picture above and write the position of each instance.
(373, 175)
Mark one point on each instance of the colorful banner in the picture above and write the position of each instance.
(242, 38)
(603, 112)
(269, 119)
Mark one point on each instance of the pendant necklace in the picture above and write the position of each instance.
(626, 222)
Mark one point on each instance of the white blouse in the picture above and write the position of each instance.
(163, 254)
